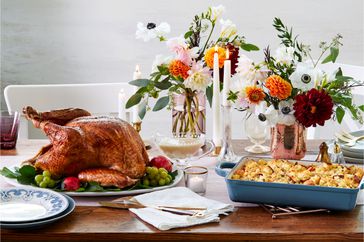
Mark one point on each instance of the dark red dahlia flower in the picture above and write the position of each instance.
(313, 107)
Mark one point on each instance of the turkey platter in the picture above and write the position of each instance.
(100, 149)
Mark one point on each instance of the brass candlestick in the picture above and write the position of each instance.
(137, 126)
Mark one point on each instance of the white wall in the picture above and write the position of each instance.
(81, 41)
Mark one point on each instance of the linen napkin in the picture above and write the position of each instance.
(178, 197)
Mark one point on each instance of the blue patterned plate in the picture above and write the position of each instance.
(40, 223)
(30, 204)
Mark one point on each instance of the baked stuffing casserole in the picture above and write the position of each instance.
(283, 171)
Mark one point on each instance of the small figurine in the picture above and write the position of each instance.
(323, 155)
(337, 155)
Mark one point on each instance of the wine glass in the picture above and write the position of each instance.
(182, 150)
(257, 132)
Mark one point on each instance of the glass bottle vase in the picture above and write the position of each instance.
(188, 114)
(288, 142)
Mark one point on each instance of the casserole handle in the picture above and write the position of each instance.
(220, 169)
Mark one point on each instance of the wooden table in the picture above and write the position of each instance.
(245, 223)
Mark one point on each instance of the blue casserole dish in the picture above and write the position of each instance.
(286, 194)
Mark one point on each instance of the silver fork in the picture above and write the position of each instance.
(348, 141)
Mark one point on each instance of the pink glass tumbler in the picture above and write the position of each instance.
(9, 124)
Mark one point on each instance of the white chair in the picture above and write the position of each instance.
(97, 98)
(327, 131)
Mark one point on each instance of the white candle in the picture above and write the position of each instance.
(227, 78)
(137, 75)
(121, 105)
(216, 122)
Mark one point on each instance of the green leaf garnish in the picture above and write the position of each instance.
(9, 173)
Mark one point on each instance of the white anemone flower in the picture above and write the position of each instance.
(285, 113)
(271, 115)
(199, 77)
(228, 28)
(284, 55)
(217, 11)
(152, 31)
(306, 77)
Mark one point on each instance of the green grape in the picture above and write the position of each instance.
(170, 177)
(153, 182)
(162, 182)
(145, 182)
(151, 176)
(149, 170)
(43, 184)
(164, 174)
(160, 170)
(51, 183)
(46, 174)
(154, 170)
(46, 179)
(167, 180)
(38, 179)
(157, 177)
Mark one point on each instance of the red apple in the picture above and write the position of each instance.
(71, 184)
(161, 162)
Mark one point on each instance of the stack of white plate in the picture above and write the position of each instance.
(24, 207)
(354, 154)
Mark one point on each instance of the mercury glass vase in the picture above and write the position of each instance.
(188, 114)
(288, 142)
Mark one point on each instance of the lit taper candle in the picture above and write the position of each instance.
(217, 126)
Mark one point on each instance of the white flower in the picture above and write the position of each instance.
(160, 60)
(152, 31)
(285, 113)
(306, 77)
(199, 77)
(228, 28)
(248, 72)
(180, 47)
(217, 11)
(285, 55)
(271, 115)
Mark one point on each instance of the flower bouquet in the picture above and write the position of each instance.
(183, 80)
(297, 94)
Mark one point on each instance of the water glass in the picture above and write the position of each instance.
(195, 178)
(9, 125)
(257, 132)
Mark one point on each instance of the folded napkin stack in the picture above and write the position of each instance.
(178, 197)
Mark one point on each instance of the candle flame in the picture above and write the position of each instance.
(216, 48)
(227, 53)
(137, 68)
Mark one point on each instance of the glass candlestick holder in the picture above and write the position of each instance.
(227, 152)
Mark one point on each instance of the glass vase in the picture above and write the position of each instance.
(188, 114)
(288, 142)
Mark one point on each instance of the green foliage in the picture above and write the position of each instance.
(161, 103)
(249, 47)
(140, 82)
(24, 175)
(340, 112)
(134, 100)
(334, 52)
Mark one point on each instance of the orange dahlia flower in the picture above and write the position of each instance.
(209, 57)
(178, 69)
(278, 87)
(254, 94)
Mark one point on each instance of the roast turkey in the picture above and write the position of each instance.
(103, 149)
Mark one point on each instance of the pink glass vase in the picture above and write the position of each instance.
(288, 142)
